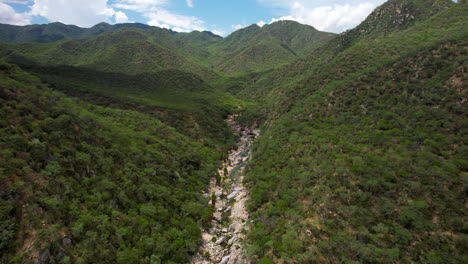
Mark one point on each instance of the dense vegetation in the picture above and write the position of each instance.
(369, 166)
(58, 31)
(257, 48)
(94, 184)
(134, 48)
(129, 51)
(109, 135)
(180, 99)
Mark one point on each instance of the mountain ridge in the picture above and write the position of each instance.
(247, 50)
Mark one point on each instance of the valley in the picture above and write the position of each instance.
(129, 143)
(223, 241)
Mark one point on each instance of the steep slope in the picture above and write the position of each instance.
(128, 51)
(362, 157)
(392, 16)
(258, 48)
(363, 161)
(194, 45)
(179, 99)
(86, 184)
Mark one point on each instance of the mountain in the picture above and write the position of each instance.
(127, 51)
(110, 137)
(246, 50)
(85, 183)
(38, 33)
(392, 16)
(257, 48)
(58, 31)
(362, 161)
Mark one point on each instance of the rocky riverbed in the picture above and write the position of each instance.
(223, 242)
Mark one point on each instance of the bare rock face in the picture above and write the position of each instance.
(66, 242)
(224, 243)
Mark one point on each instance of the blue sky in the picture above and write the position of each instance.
(220, 16)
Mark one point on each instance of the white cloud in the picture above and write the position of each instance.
(139, 5)
(163, 18)
(219, 32)
(159, 16)
(238, 26)
(324, 15)
(83, 13)
(336, 18)
(16, 1)
(261, 23)
(121, 17)
(235, 27)
(9, 16)
(87, 13)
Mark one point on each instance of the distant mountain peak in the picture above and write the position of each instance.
(102, 24)
(251, 27)
(212, 34)
(285, 22)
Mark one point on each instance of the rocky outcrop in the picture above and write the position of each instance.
(223, 243)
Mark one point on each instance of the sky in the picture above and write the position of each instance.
(219, 16)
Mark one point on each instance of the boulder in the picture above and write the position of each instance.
(220, 240)
(66, 241)
(233, 240)
(225, 259)
(232, 195)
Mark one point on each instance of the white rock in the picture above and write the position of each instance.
(232, 195)
(240, 196)
(232, 240)
(220, 240)
(225, 259)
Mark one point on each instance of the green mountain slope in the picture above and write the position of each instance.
(364, 161)
(246, 50)
(57, 31)
(179, 99)
(109, 136)
(259, 48)
(136, 69)
(86, 184)
(38, 33)
(128, 51)
(392, 16)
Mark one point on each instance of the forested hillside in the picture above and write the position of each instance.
(132, 48)
(109, 137)
(87, 184)
(367, 158)
(257, 48)
(58, 31)
(129, 51)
